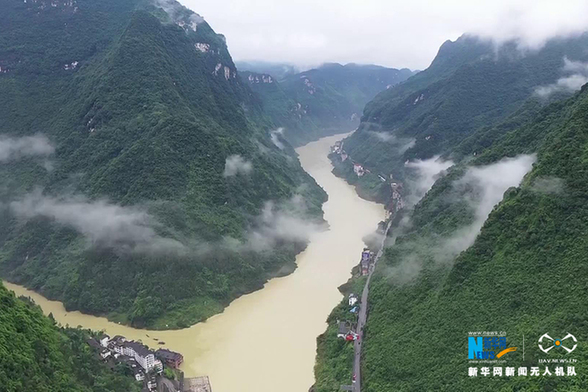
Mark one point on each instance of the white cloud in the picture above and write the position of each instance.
(577, 77)
(482, 188)
(427, 172)
(549, 185)
(275, 136)
(401, 145)
(12, 148)
(176, 12)
(125, 229)
(236, 164)
(393, 32)
(133, 230)
(278, 224)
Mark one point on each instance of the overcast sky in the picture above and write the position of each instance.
(396, 33)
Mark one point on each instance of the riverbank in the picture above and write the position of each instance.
(266, 340)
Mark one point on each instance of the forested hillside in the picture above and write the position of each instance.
(37, 355)
(321, 101)
(525, 274)
(497, 244)
(140, 178)
(471, 84)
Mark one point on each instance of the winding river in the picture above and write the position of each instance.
(266, 341)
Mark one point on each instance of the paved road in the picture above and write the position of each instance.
(363, 317)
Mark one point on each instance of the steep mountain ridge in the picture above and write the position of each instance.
(471, 84)
(164, 178)
(500, 282)
(449, 270)
(322, 101)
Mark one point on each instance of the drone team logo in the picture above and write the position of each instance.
(547, 343)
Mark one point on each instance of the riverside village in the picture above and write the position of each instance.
(158, 370)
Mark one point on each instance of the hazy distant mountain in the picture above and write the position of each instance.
(322, 101)
(277, 70)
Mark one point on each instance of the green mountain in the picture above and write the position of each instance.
(497, 244)
(139, 176)
(321, 101)
(470, 85)
(39, 356)
(533, 242)
(277, 70)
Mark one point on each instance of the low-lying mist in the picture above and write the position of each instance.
(236, 164)
(134, 230)
(13, 148)
(481, 188)
(425, 173)
(575, 75)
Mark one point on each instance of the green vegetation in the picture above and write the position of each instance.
(169, 373)
(322, 101)
(469, 88)
(525, 273)
(334, 363)
(144, 123)
(39, 356)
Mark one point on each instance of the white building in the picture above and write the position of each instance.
(352, 300)
(143, 356)
(104, 339)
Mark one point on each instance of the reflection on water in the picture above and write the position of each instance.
(266, 341)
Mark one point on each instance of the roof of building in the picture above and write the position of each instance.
(128, 360)
(136, 370)
(168, 354)
(139, 348)
(344, 327)
(93, 343)
(102, 336)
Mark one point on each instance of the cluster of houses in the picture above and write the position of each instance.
(338, 149)
(346, 329)
(358, 168)
(396, 202)
(143, 362)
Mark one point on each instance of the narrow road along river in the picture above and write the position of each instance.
(266, 341)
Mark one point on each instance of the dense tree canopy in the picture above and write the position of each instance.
(525, 274)
(143, 107)
(37, 355)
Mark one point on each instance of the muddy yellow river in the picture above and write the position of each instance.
(266, 341)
